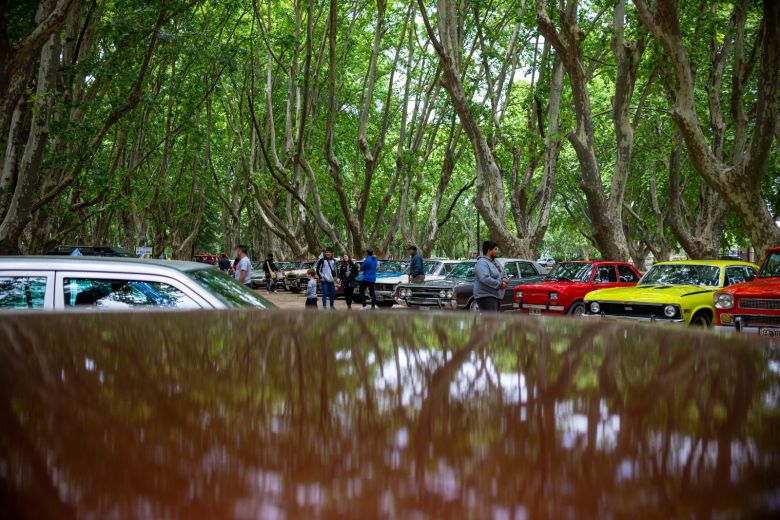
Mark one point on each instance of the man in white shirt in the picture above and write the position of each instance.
(243, 272)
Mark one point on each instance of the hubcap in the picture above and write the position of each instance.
(474, 307)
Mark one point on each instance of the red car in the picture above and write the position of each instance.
(754, 305)
(562, 291)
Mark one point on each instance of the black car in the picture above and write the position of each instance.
(456, 291)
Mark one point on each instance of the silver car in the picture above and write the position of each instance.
(90, 283)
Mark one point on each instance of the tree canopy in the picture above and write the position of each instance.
(609, 128)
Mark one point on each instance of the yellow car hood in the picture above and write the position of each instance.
(648, 293)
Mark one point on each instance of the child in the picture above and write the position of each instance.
(311, 289)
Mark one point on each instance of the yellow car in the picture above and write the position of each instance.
(672, 292)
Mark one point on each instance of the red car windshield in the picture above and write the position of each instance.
(771, 267)
(571, 272)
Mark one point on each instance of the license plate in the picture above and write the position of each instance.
(535, 312)
(380, 298)
(773, 333)
(425, 307)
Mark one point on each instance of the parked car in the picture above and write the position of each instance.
(456, 291)
(389, 273)
(292, 415)
(434, 270)
(295, 279)
(546, 261)
(206, 258)
(563, 290)
(673, 292)
(111, 251)
(258, 274)
(96, 284)
(753, 306)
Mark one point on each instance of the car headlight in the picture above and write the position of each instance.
(724, 301)
(554, 296)
(595, 307)
(518, 295)
(449, 294)
(405, 293)
(445, 294)
(670, 311)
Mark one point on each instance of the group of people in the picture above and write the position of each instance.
(332, 275)
(489, 285)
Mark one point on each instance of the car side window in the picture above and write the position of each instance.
(121, 294)
(736, 275)
(22, 292)
(606, 274)
(526, 270)
(626, 274)
(511, 269)
(750, 275)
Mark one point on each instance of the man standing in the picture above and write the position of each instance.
(369, 267)
(327, 272)
(269, 267)
(243, 273)
(416, 269)
(491, 280)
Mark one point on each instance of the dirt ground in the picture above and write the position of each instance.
(286, 300)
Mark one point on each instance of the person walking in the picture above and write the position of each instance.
(369, 267)
(348, 272)
(311, 290)
(270, 269)
(416, 268)
(243, 272)
(224, 263)
(328, 273)
(491, 280)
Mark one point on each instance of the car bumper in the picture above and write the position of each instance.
(652, 319)
(532, 308)
(761, 329)
(432, 303)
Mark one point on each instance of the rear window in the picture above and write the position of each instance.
(22, 292)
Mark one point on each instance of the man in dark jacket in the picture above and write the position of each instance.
(270, 270)
(416, 268)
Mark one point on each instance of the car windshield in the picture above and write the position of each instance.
(771, 267)
(392, 266)
(464, 270)
(430, 266)
(227, 290)
(572, 272)
(285, 265)
(682, 274)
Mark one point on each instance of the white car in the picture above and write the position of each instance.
(434, 270)
(546, 261)
(117, 284)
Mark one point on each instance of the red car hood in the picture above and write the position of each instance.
(760, 287)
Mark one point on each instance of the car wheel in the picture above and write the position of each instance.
(474, 306)
(578, 309)
(295, 291)
(700, 320)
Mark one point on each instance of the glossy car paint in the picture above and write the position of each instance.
(381, 415)
(763, 318)
(536, 297)
(691, 300)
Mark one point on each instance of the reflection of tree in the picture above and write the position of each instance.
(205, 414)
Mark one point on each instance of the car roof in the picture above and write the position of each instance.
(714, 263)
(93, 263)
(159, 399)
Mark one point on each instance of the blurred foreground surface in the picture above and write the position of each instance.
(289, 414)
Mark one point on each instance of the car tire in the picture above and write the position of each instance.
(385, 305)
(473, 306)
(295, 291)
(701, 319)
(578, 309)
